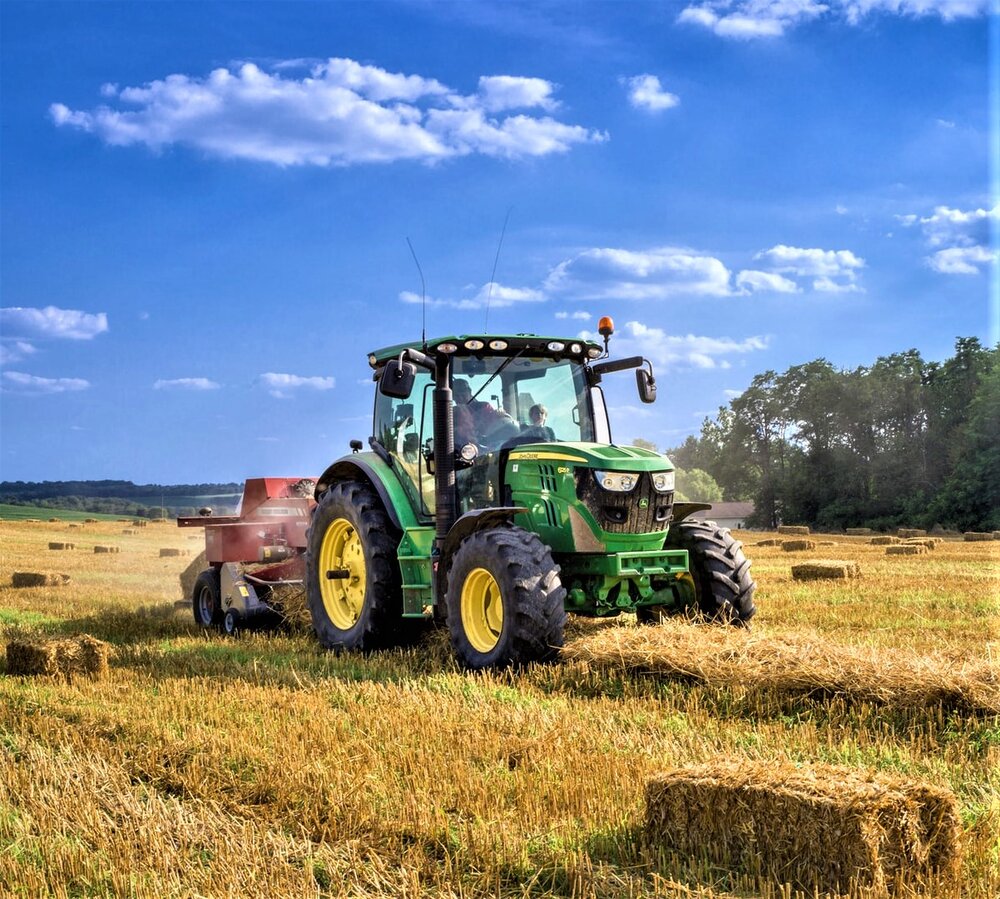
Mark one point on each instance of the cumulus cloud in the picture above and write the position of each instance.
(833, 271)
(750, 19)
(603, 273)
(500, 297)
(677, 350)
(185, 384)
(282, 385)
(961, 260)
(19, 382)
(15, 350)
(72, 324)
(340, 113)
(761, 282)
(646, 92)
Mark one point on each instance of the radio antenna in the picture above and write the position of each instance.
(493, 274)
(423, 297)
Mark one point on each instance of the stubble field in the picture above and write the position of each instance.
(205, 766)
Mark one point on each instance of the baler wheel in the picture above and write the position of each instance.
(231, 623)
(505, 600)
(353, 582)
(205, 599)
(719, 570)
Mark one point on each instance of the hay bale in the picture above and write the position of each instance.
(821, 827)
(793, 530)
(140, 523)
(190, 574)
(769, 542)
(66, 656)
(107, 549)
(128, 530)
(792, 546)
(168, 551)
(54, 545)
(33, 520)
(858, 532)
(905, 549)
(51, 520)
(996, 535)
(927, 542)
(911, 532)
(884, 541)
(823, 570)
(90, 521)
(37, 579)
(976, 536)
(827, 543)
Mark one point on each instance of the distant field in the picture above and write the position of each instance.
(261, 766)
(19, 513)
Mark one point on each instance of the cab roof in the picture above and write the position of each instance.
(490, 345)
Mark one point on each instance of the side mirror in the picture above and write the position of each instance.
(397, 379)
(646, 384)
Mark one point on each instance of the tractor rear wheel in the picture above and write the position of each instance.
(353, 583)
(205, 599)
(505, 602)
(719, 572)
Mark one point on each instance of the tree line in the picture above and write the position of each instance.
(903, 441)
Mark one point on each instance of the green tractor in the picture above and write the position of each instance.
(493, 499)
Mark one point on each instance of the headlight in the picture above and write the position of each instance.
(663, 481)
(616, 481)
(468, 452)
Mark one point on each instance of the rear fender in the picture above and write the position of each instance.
(683, 510)
(369, 467)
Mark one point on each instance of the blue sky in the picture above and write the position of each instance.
(205, 207)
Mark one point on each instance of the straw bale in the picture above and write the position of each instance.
(771, 541)
(927, 542)
(911, 532)
(37, 579)
(54, 545)
(53, 519)
(90, 520)
(819, 827)
(140, 523)
(858, 532)
(128, 530)
(107, 549)
(793, 530)
(976, 536)
(996, 535)
(168, 551)
(905, 549)
(884, 540)
(791, 546)
(190, 574)
(82, 654)
(71, 526)
(821, 570)
(792, 663)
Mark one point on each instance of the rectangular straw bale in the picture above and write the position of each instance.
(884, 540)
(822, 570)
(976, 536)
(128, 530)
(55, 545)
(140, 523)
(107, 549)
(67, 656)
(905, 549)
(90, 520)
(927, 542)
(169, 551)
(911, 532)
(858, 532)
(797, 545)
(819, 827)
(53, 519)
(793, 530)
(37, 579)
(771, 541)
(996, 535)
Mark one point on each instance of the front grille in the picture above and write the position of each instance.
(640, 511)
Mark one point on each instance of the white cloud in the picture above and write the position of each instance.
(608, 273)
(750, 19)
(15, 351)
(646, 92)
(760, 282)
(185, 384)
(961, 260)
(833, 271)
(501, 297)
(281, 385)
(341, 113)
(575, 316)
(19, 382)
(18, 321)
(732, 394)
(679, 351)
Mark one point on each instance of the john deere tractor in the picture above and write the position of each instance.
(493, 498)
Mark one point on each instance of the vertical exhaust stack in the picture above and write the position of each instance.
(444, 449)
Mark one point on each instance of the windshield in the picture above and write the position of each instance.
(536, 399)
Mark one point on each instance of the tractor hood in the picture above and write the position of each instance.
(606, 457)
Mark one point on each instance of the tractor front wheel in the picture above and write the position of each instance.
(353, 583)
(719, 572)
(505, 602)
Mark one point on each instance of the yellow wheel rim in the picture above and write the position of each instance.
(688, 587)
(342, 555)
(482, 610)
